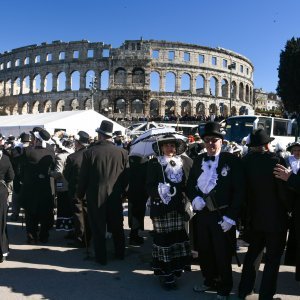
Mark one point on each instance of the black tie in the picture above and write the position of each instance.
(207, 158)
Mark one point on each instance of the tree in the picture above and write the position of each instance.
(289, 75)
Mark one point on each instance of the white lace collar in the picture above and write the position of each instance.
(173, 170)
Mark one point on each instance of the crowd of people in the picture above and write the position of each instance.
(200, 193)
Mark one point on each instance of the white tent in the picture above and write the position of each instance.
(70, 121)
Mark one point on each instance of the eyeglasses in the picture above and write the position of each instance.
(210, 140)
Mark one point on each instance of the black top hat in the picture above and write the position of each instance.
(212, 129)
(25, 137)
(291, 145)
(259, 137)
(45, 135)
(82, 137)
(106, 128)
(166, 139)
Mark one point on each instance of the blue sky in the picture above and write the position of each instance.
(257, 29)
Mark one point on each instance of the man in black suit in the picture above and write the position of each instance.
(103, 179)
(266, 214)
(71, 174)
(216, 188)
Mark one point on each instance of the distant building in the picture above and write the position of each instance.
(266, 101)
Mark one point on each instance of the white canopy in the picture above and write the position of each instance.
(70, 121)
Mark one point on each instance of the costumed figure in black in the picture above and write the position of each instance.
(71, 174)
(166, 183)
(292, 176)
(6, 180)
(103, 179)
(266, 216)
(216, 187)
(37, 193)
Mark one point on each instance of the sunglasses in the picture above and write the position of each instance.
(210, 140)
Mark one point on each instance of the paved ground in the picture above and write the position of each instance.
(55, 271)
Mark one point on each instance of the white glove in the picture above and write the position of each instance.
(164, 192)
(198, 203)
(226, 224)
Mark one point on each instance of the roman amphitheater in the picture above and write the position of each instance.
(140, 78)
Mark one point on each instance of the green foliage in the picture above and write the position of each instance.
(289, 75)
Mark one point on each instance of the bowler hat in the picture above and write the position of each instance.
(106, 128)
(25, 137)
(166, 139)
(118, 133)
(82, 137)
(212, 129)
(291, 145)
(259, 137)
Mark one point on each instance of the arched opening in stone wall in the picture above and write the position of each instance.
(170, 82)
(137, 106)
(213, 109)
(1, 88)
(120, 76)
(74, 104)
(61, 81)
(213, 84)
(60, 105)
(233, 90)
(224, 88)
(154, 81)
(25, 108)
(75, 81)
(241, 91)
(247, 93)
(119, 106)
(15, 109)
(104, 82)
(36, 83)
(89, 77)
(138, 76)
(105, 109)
(170, 108)
(48, 83)
(233, 111)
(200, 109)
(186, 83)
(186, 109)
(154, 108)
(26, 85)
(36, 107)
(17, 86)
(87, 104)
(48, 106)
(8, 87)
(200, 85)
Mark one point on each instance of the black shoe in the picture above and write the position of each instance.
(102, 262)
(136, 241)
(43, 240)
(2, 259)
(31, 240)
(77, 244)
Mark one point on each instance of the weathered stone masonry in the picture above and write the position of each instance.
(139, 78)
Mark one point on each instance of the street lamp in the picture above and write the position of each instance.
(231, 67)
(93, 90)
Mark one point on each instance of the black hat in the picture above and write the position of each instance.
(118, 133)
(10, 139)
(166, 139)
(212, 129)
(36, 129)
(291, 145)
(106, 128)
(259, 137)
(25, 137)
(45, 135)
(82, 137)
(1, 137)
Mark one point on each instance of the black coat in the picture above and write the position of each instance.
(267, 196)
(72, 170)
(230, 189)
(103, 175)
(155, 176)
(6, 175)
(37, 194)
